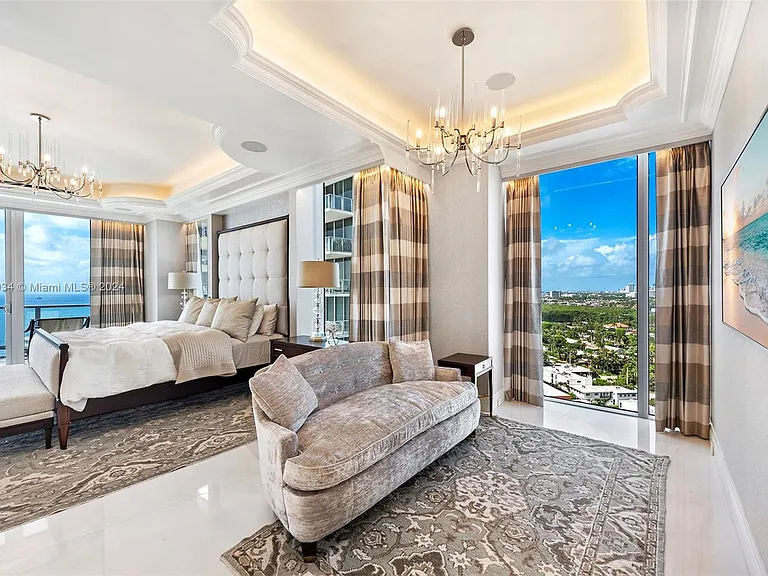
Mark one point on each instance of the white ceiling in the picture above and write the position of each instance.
(387, 59)
(161, 86)
(164, 75)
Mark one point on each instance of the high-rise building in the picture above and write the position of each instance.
(337, 203)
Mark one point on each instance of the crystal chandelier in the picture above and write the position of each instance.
(480, 132)
(44, 172)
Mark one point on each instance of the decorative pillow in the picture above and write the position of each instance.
(411, 361)
(269, 322)
(283, 394)
(209, 311)
(258, 317)
(234, 318)
(192, 310)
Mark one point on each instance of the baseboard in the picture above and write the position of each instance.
(744, 532)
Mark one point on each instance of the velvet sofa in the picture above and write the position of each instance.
(365, 437)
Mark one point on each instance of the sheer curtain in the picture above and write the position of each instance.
(389, 292)
(117, 273)
(523, 360)
(683, 196)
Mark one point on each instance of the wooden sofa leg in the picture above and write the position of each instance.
(63, 417)
(309, 551)
(48, 434)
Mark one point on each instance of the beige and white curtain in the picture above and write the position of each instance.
(683, 196)
(389, 292)
(117, 273)
(523, 360)
(192, 251)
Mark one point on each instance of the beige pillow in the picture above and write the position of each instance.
(209, 311)
(192, 310)
(411, 361)
(258, 317)
(269, 321)
(234, 318)
(283, 394)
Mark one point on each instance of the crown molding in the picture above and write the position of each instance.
(193, 193)
(234, 26)
(691, 16)
(140, 210)
(606, 149)
(733, 18)
(344, 161)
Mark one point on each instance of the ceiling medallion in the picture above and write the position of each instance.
(479, 132)
(44, 173)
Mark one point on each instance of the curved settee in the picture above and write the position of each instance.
(364, 437)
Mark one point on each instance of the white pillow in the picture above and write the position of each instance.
(258, 318)
(269, 322)
(234, 318)
(192, 310)
(205, 318)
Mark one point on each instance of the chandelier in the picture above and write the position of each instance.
(44, 173)
(479, 133)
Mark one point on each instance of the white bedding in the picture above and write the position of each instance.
(253, 352)
(107, 361)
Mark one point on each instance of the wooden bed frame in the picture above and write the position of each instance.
(157, 392)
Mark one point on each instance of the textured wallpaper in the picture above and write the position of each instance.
(262, 209)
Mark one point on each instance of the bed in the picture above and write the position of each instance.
(99, 370)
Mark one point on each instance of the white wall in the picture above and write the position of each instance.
(272, 206)
(307, 229)
(466, 267)
(740, 365)
(164, 252)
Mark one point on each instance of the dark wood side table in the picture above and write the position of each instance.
(295, 345)
(477, 368)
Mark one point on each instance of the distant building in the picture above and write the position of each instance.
(555, 294)
(577, 380)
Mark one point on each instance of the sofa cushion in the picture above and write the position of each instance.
(283, 394)
(22, 393)
(411, 361)
(345, 438)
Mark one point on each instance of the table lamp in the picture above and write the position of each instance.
(182, 281)
(318, 274)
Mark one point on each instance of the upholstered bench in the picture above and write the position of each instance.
(26, 404)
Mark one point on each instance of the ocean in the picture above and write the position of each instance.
(48, 305)
(745, 261)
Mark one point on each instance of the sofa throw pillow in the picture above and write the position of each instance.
(234, 318)
(269, 321)
(411, 361)
(192, 310)
(258, 317)
(283, 394)
(209, 311)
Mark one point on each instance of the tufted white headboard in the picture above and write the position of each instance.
(253, 263)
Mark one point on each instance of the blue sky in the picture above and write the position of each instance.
(56, 249)
(588, 226)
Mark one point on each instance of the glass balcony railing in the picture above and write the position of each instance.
(342, 289)
(333, 244)
(334, 202)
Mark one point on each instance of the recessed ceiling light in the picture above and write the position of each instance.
(500, 81)
(254, 146)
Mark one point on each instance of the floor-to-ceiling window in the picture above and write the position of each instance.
(337, 203)
(592, 333)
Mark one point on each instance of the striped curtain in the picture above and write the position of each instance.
(117, 273)
(389, 292)
(190, 233)
(683, 196)
(523, 351)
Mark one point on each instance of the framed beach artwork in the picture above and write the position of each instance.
(745, 238)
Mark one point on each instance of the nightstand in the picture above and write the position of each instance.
(477, 368)
(296, 345)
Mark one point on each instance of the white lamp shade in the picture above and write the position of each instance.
(318, 274)
(182, 280)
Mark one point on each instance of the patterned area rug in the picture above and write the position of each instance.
(113, 451)
(516, 499)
